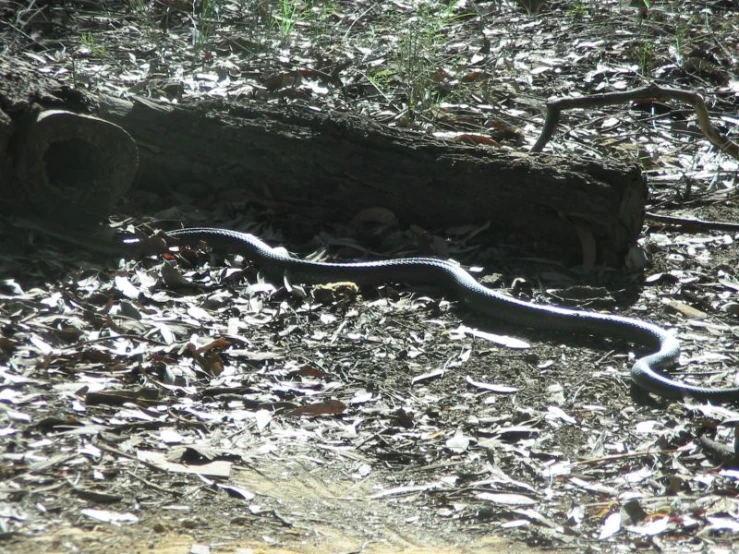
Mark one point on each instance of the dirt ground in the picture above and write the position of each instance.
(181, 403)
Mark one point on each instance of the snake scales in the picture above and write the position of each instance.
(645, 371)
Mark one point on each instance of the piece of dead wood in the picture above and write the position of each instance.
(693, 225)
(332, 166)
(555, 107)
(313, 165)
(73, 168)
(720, 452)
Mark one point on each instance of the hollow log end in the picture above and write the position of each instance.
(73, 169)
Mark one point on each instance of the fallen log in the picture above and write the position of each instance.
(57, 165)
(74, 168)
(334, 165)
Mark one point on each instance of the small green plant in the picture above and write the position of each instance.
(645, 52)
(578, 10)
(416, 62)
(531, 6)
(95, 49)
(414, 69)
(205, 22)
(382, 79)
(209, 9)
(136, 5)
(321, 13)
(678, 50)
(288, 17)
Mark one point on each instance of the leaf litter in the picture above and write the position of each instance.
(457, 427)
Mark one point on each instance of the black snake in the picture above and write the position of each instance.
(431, 271)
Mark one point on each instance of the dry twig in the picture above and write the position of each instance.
(653, 91)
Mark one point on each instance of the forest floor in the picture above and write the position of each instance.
(181, 404)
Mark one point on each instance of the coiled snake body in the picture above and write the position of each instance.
(431, 271)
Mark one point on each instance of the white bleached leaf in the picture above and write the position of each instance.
(506, 499)
(652, 528)
(611, 526)
(502, 340)
(499, 389)
(108, 516)
(263, 418)
(458, 443)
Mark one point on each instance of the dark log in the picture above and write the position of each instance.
(60, 167)
(334, 165)
(74, 168)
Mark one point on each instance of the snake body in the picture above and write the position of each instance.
(431, 271)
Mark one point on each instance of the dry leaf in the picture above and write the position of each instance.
(499, 389)
(506, 499)
(330, 407)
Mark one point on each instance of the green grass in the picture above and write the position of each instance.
(646, 53)
(205, 23)
(419, 56)
(89, 42)
(577, 10)
(288, 17)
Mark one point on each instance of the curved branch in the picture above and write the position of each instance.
(555, 107)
